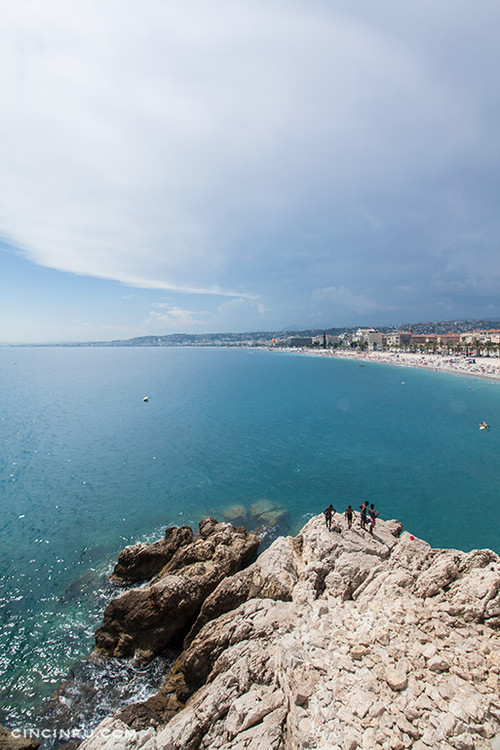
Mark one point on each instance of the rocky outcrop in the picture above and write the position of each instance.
(141, 562)
(144, 621)
(335, 640)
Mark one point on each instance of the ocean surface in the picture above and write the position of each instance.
(88, 467)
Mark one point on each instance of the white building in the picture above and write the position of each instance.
(369, 336)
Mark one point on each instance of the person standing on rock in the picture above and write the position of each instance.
(348, 515)
(362, 515)
(373, 514)
(328, 516)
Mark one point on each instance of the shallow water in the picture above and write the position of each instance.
(88, 467)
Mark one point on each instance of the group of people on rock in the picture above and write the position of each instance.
(367, 516)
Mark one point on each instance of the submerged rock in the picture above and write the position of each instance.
(261, 517)
(85, 584)
(237, 515)
(267, 513)
(335, 640)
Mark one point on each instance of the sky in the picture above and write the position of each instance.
(225, 165)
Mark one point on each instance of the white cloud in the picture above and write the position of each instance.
(233, 315)
(174, 319)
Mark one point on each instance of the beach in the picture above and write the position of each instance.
(481, 367)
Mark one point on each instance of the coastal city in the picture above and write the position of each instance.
(370, 339)
(467, 347)
(474, 353)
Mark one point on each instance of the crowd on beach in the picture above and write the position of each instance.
(367, 516)
(485, 367)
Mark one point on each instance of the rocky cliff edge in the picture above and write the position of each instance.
(331, 640)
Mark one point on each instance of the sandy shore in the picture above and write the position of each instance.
(481, 367)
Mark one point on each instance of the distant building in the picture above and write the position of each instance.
(300, 341)
(345, 338)
(397, 339)
(492, 335)
(374, 339)
(369, 336)
(325, 339)
(448, 339)
(420, 339)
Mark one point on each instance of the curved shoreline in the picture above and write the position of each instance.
(481, 367)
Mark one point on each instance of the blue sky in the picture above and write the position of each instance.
(216, 166)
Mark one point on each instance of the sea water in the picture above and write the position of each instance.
(88, 466)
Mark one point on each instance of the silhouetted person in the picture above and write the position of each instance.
(328, 516)
(362, 515)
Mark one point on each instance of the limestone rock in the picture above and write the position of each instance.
(113, 734)
(329, 639)
(397, 680)
(438, 664)
(273, 575)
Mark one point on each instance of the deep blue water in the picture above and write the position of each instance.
(87, 467)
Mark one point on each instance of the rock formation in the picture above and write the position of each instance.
(336, 640)
(143, 561)
(144, 621)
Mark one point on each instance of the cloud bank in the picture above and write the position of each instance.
(330, 161)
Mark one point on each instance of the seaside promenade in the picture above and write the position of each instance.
(482, 367)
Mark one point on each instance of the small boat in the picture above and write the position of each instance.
(146, 398)
(483, 426)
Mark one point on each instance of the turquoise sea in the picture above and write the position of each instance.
(88, 467)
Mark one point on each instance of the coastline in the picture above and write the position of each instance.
(478, 367)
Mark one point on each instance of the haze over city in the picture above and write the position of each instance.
(228, 166)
